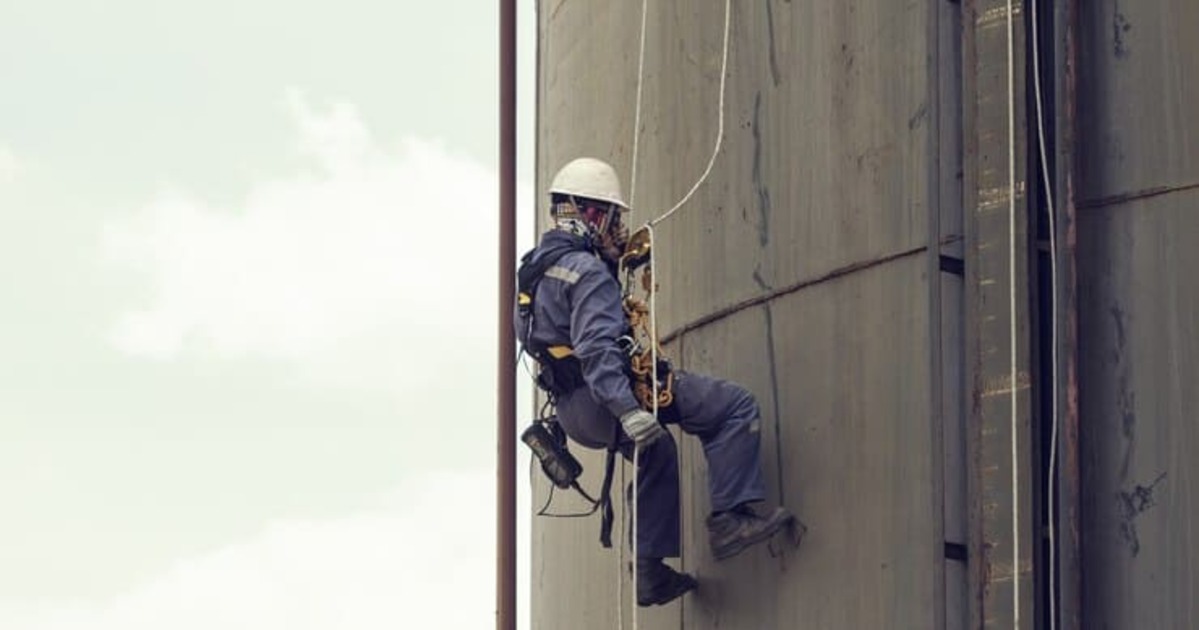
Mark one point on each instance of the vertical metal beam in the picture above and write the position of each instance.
(505, 547)
(946, 266)
(997, 290)
(1069, 558)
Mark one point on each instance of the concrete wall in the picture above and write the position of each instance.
(1138, 312)
(866, 151)
(819, 208)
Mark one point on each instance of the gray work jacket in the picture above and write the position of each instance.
(578, 304)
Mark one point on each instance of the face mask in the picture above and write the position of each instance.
(572, 225)
(620, 235)
(613, 239)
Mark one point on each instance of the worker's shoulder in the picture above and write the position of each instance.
(575, 266)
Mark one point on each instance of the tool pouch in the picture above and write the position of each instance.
(549, 445)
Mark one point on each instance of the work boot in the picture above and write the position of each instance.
(735, 530)
(658, 584)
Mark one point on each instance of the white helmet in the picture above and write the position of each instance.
(590, 178)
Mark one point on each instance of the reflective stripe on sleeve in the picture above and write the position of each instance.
(563, 274)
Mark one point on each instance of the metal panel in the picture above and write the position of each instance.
(947, 333)
(955, 462)
(1067, 536)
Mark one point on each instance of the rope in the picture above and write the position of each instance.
(637, 108)
(636, 465)
(653, 304)
(632, 199)
(724, 60)
(1011, 84)
(1036, 73)
(624, 532)
(724, 64)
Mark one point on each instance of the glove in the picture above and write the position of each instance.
(642, 427)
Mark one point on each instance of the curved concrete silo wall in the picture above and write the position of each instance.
(1138, 312)
(799, 269)
(869, 146)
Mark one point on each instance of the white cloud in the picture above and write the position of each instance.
(383, 252)
(9, 166)
(420, 558)
(372, 265)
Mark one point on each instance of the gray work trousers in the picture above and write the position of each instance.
(723, 415)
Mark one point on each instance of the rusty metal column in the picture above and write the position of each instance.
(997, 314)
(1068, 530)
(505, 544)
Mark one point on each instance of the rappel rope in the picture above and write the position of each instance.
(1036, 74)
(724, 64)
(653, 310)
(632, 199)
(624, 535)
(637, 108)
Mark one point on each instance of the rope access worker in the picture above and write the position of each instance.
(573, 328)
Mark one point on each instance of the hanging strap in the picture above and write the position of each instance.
(607, 515)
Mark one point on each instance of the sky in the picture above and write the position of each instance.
(247, 335)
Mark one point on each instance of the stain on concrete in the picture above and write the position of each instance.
(918, 118)
(774, 62)
(1132, 504)
(774, 385)
(1126, 397)
(763, 191)
(1120, 26)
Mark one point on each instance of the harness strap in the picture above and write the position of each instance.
(607, 515)
(560, 352)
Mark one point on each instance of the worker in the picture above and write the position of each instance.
(576, 309)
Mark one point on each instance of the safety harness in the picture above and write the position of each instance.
(559, 373)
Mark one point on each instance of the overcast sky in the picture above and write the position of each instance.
(247, 346)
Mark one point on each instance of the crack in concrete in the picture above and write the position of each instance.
(774, 386)
(1131, 505)
(763, 191)
(774, 62)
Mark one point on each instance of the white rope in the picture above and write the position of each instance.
(653, 304)
(1011, 84)
(724, 64)
(1036, 73)
(637, 109)
(636, 496)
(624, 532)
(653, 310)
(632, 200)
